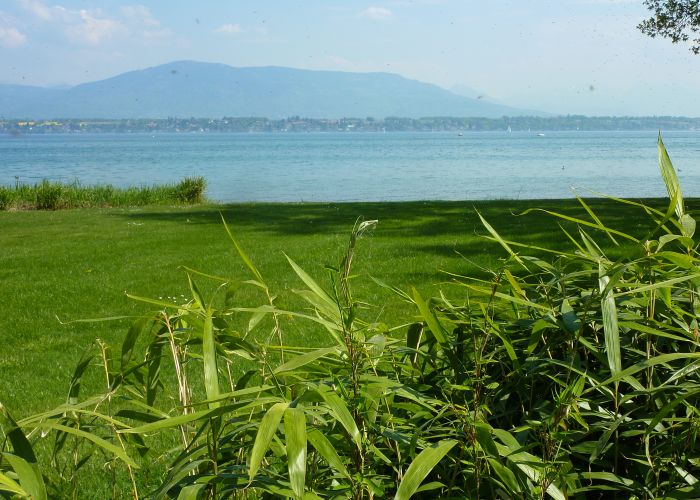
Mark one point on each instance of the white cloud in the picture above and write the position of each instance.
(141, 22)
(140, 14)
(229, 29)
(38, 8)
(91, 29)
(11, 37)
(376, 13)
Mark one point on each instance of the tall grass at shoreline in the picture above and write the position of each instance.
(47, 195)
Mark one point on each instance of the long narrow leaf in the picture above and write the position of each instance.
(595, 218)
(304, 359)
(610, 328)
(295, 437)
(583, 223)
(29, 476)
(421, 466)
(268, 428)
(643, 365)
(211, 374)
(341, 413)
(20, 444)
(9, 485)
(327, 451)
(668, 173)
(501, 241)
(102, 443)
(311, 283)
(241, 252)
(430, 319)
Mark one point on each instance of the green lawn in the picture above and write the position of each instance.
(78, 264)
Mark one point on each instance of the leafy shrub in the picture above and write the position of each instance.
(191, 190)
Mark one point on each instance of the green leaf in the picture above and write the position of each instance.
(569, 318)
(688, 224)
(211, 374)
(661, 284)
(28, 475)
(483, 436)
(241, 252)
(603, 440)
(9, 485)
(668, 173)
(20, 444)
(430, 319)
(588, 477)
(413, 336)
(304, 359)
(506, 476)
(643, 365)
(327, 451)
(167, 423)
(102, 443)
(83, 364)
(341, 413)
(138, 327)
(529, 464)
(196, 294)
(268, 428)
(501, 241)
(610, 328)
(660, 414)
(311, 283)
(295, 437)
(582, 222)
(421, 466)
(192, 492)
(596, 219)
(509, 298)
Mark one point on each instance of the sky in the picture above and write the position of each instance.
(559, 56)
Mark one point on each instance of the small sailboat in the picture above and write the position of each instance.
(510, 130)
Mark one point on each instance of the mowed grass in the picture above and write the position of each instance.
(62, 266)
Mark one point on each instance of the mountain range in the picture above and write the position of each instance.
(186, 89)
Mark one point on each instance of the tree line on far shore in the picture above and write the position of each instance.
(368, 124)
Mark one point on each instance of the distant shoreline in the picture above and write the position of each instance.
(390, 124)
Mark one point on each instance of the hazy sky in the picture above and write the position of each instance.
(562, 56)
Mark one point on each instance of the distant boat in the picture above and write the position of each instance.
(540, 134)
(510, 131)
(460, 134)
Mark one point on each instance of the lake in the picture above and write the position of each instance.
(363, 166)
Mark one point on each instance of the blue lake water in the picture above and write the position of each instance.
(363, 166)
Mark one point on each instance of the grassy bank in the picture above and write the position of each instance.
(48, 195)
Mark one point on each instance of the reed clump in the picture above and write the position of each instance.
(575, 376)
(48, 195)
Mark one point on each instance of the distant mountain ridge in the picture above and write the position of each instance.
(187, 89)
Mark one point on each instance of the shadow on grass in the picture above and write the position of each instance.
(409, 219)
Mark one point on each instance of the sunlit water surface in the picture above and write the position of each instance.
(363, 166)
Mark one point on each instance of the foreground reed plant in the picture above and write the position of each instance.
(569, 377)
(48, 195)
